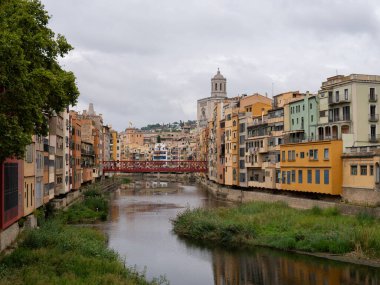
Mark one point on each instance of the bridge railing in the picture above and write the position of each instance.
(155, 166)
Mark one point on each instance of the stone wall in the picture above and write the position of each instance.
(8, 236)
(240, 196)
(365, 197)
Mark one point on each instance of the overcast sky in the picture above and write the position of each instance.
(149, 61)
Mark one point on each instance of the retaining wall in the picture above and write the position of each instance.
(241, 196)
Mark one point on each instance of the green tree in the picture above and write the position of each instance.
(33, 86)
(158, 139)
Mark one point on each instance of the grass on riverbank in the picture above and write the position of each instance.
(279, 226)
(93, 208)
(59, 253)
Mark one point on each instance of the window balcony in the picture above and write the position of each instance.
(372, 97)
(339, 101)
(373, 117)
(373, 138)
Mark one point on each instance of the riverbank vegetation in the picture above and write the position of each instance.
(279, 226)
(60, 253)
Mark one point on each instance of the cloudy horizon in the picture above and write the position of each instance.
(146, 61)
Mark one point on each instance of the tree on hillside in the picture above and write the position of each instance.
(33, 86)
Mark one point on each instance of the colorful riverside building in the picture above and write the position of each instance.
(115, 146)
(239, 108)
(312, 167)
(353, 111)
(324, 143)
(76, 171)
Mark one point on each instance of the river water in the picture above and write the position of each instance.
(140, 230)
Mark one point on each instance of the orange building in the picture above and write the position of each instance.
(312, 167)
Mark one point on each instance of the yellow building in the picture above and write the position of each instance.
(29, 178)
(312, 167)
(114, 146)
(232, 144)
(255, 104)
(361, 175)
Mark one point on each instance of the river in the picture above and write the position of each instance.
(139, 229)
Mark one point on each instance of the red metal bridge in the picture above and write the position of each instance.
(181, 166)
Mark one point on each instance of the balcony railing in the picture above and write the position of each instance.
(374, 138)
(372, 97)
(340, 100)
(373, 117)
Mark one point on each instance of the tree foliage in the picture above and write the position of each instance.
(33, 85)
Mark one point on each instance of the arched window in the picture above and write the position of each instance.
(216, 86)
(234, 123)
(220, 85)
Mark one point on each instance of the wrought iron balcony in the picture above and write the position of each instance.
(373, 117)
(372, 97)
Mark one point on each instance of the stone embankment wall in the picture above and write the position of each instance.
(240, 196)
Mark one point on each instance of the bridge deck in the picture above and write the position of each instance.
(155, 166)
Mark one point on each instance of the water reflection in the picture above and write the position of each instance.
(140, 229)
(264, 266)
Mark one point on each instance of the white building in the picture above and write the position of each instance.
(160, 152)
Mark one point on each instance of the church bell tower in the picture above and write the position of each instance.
(218, 85)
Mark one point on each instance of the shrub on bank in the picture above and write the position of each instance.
(279, 226)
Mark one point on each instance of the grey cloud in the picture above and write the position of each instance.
(149, 61)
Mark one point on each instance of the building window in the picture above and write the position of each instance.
(371, 170)
(363, 169)
(283, 155)
(326, 154)
(293, 176)
(346, 113)
(326, 176)
(300, 176)
(312, 118)
(313, 154)
(288, 176)
(311, 106)
(302, 154)
(346, 94)
(354, 170)
(10, 190)
(317, 176)
(336, 96)
(242, 177)
(372, 95)
(309, 176)
(278, 176)
(29, 153)
(283, 177)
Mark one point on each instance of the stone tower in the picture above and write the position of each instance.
(218, 85)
